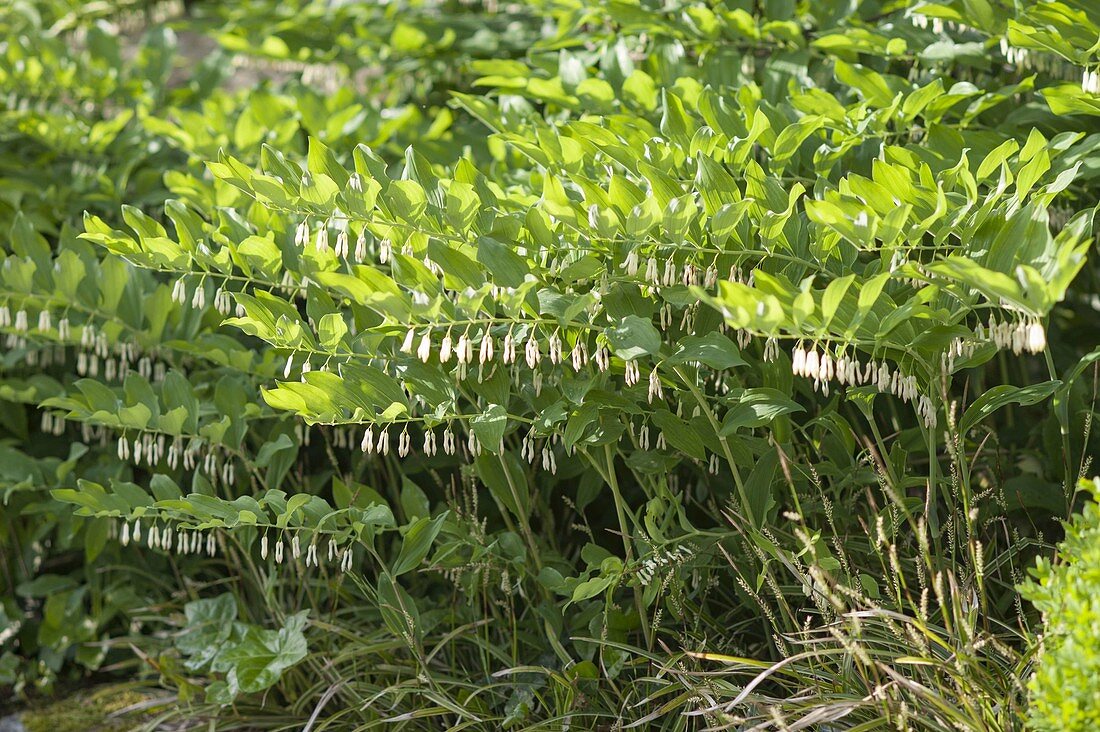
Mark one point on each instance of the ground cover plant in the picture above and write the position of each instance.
(566, 364)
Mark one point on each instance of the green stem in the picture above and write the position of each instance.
(1061, 411)
(742, 493)
(608, 473)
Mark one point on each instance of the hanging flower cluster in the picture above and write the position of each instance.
(42, 354)
(1090, 81)
(179, 540)
(52, 423)
(923, 22)
(849, 370)
(1052, 64)
(656, 277)
(531, 452)
(1025, 334)
(1018, 56)
(342, 555)
(223, 298)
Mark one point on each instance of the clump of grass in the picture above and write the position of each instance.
(935, 639)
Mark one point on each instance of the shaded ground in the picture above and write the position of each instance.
(11, 724)
(109, 708)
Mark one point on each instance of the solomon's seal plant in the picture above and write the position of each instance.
(547, 365)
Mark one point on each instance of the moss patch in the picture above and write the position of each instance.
(88, 710)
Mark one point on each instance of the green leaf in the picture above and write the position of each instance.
(679, 434)
(831, 299)
(504, 476)
(331, 331)
(417, 543)
(1003, 395)
(260, 253)
(756, 408)
(489, 427)
(996, 286)
(758, 486)
(321, 160)
(258, 661)
(869, 293)
(870, 83)
(640, 88)
(459, 270)
(398, 610)
(713, 349)
(320, 190)
(634, 337)
(463, 205)
(501, 262)
(590, 588)
(209, 624)
(414, 501)
(407, 200)
(791, 138)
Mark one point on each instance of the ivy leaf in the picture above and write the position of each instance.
(209, 624)
(261, 657)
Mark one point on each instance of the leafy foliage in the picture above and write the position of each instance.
(1063, 693)
(525, 366)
